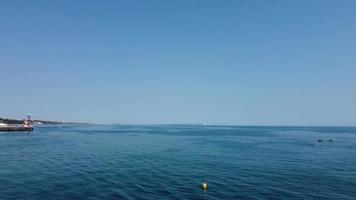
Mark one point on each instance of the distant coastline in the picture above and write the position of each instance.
(36, 122)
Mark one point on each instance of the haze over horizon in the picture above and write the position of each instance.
(161, 62)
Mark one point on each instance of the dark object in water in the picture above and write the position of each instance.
(330, 140)
(320, 140)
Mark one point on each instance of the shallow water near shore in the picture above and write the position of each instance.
(169, 162)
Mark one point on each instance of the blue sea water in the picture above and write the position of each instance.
(169, 162)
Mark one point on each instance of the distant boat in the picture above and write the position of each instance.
(2, 124)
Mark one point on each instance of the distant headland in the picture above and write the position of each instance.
(35, 122)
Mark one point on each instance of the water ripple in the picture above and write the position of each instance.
(169, 162)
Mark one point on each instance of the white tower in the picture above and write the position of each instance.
(27, 121)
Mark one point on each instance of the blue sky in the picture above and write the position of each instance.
(197, 61)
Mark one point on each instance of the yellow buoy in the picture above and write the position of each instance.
(204, 186)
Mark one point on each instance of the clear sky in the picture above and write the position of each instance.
(188, 61)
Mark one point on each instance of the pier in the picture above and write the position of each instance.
(26, 126)
(15, 128)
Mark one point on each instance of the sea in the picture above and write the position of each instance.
(172, 162)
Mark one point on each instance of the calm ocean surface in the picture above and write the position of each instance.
(168, 162)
